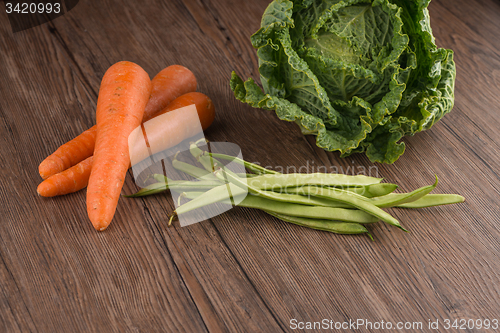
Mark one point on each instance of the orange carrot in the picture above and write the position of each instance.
(168, 128)
(168, 84)
(68, 181)
(204, 106)
(123, 95)
(76, 178)
(69, 154)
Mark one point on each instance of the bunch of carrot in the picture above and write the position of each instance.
(99, 157)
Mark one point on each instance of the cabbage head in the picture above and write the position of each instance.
(358, 74)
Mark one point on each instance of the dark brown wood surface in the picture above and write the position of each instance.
(242, 271)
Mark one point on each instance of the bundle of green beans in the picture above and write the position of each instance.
(336, 203)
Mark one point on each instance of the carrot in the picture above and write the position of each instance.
(76, 178)
(67, 181)
(168, 84)
(204, 106)
(69, 154)
(168, 128)
(123, 95)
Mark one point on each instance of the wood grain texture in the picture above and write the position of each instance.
(242, 271)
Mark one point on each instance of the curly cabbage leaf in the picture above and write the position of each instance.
(358, 74)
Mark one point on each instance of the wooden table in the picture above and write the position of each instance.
(242, 271)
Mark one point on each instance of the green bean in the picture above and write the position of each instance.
(191, 194)
(161, 178)
(280, 181)
(371, 191)
(283, 197)
(368, 191)
(211, 163)
(208, 163)
(194, 149)
(335, 194)
(331, 202)
(214, 195)
(220, 193)
(396, 199)
(246, 175)
(205, 184)
(288, 179)
(434, 200)
(205, 158)
(352, 199)
(192, 170)
(177, 186)
(250, 166)
(393, 199)
(181, 195)
(344, 228)
(302, 199)
(314, 212)
(325, 225)
(287, 198)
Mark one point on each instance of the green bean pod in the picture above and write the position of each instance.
(214, 195)
(277, 182)
(344, 228)
(396, 199)
(354, 200)
(332, 202)
(192, 170)
(431, 200)
(173, 185)
(220, 194)
(204, 158)
(190, 195)
(246, 175)
(334, 194)
(250, 166)
(371, 191)
(313, 212)
(282, 197)
(194, 149)
(368, 191)
(202, 183)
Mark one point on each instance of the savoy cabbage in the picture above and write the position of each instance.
(358, 74)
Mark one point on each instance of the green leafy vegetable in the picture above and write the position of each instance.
(358, 74)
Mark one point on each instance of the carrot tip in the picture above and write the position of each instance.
(43, 175)
(100, 226)
(42, 190)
